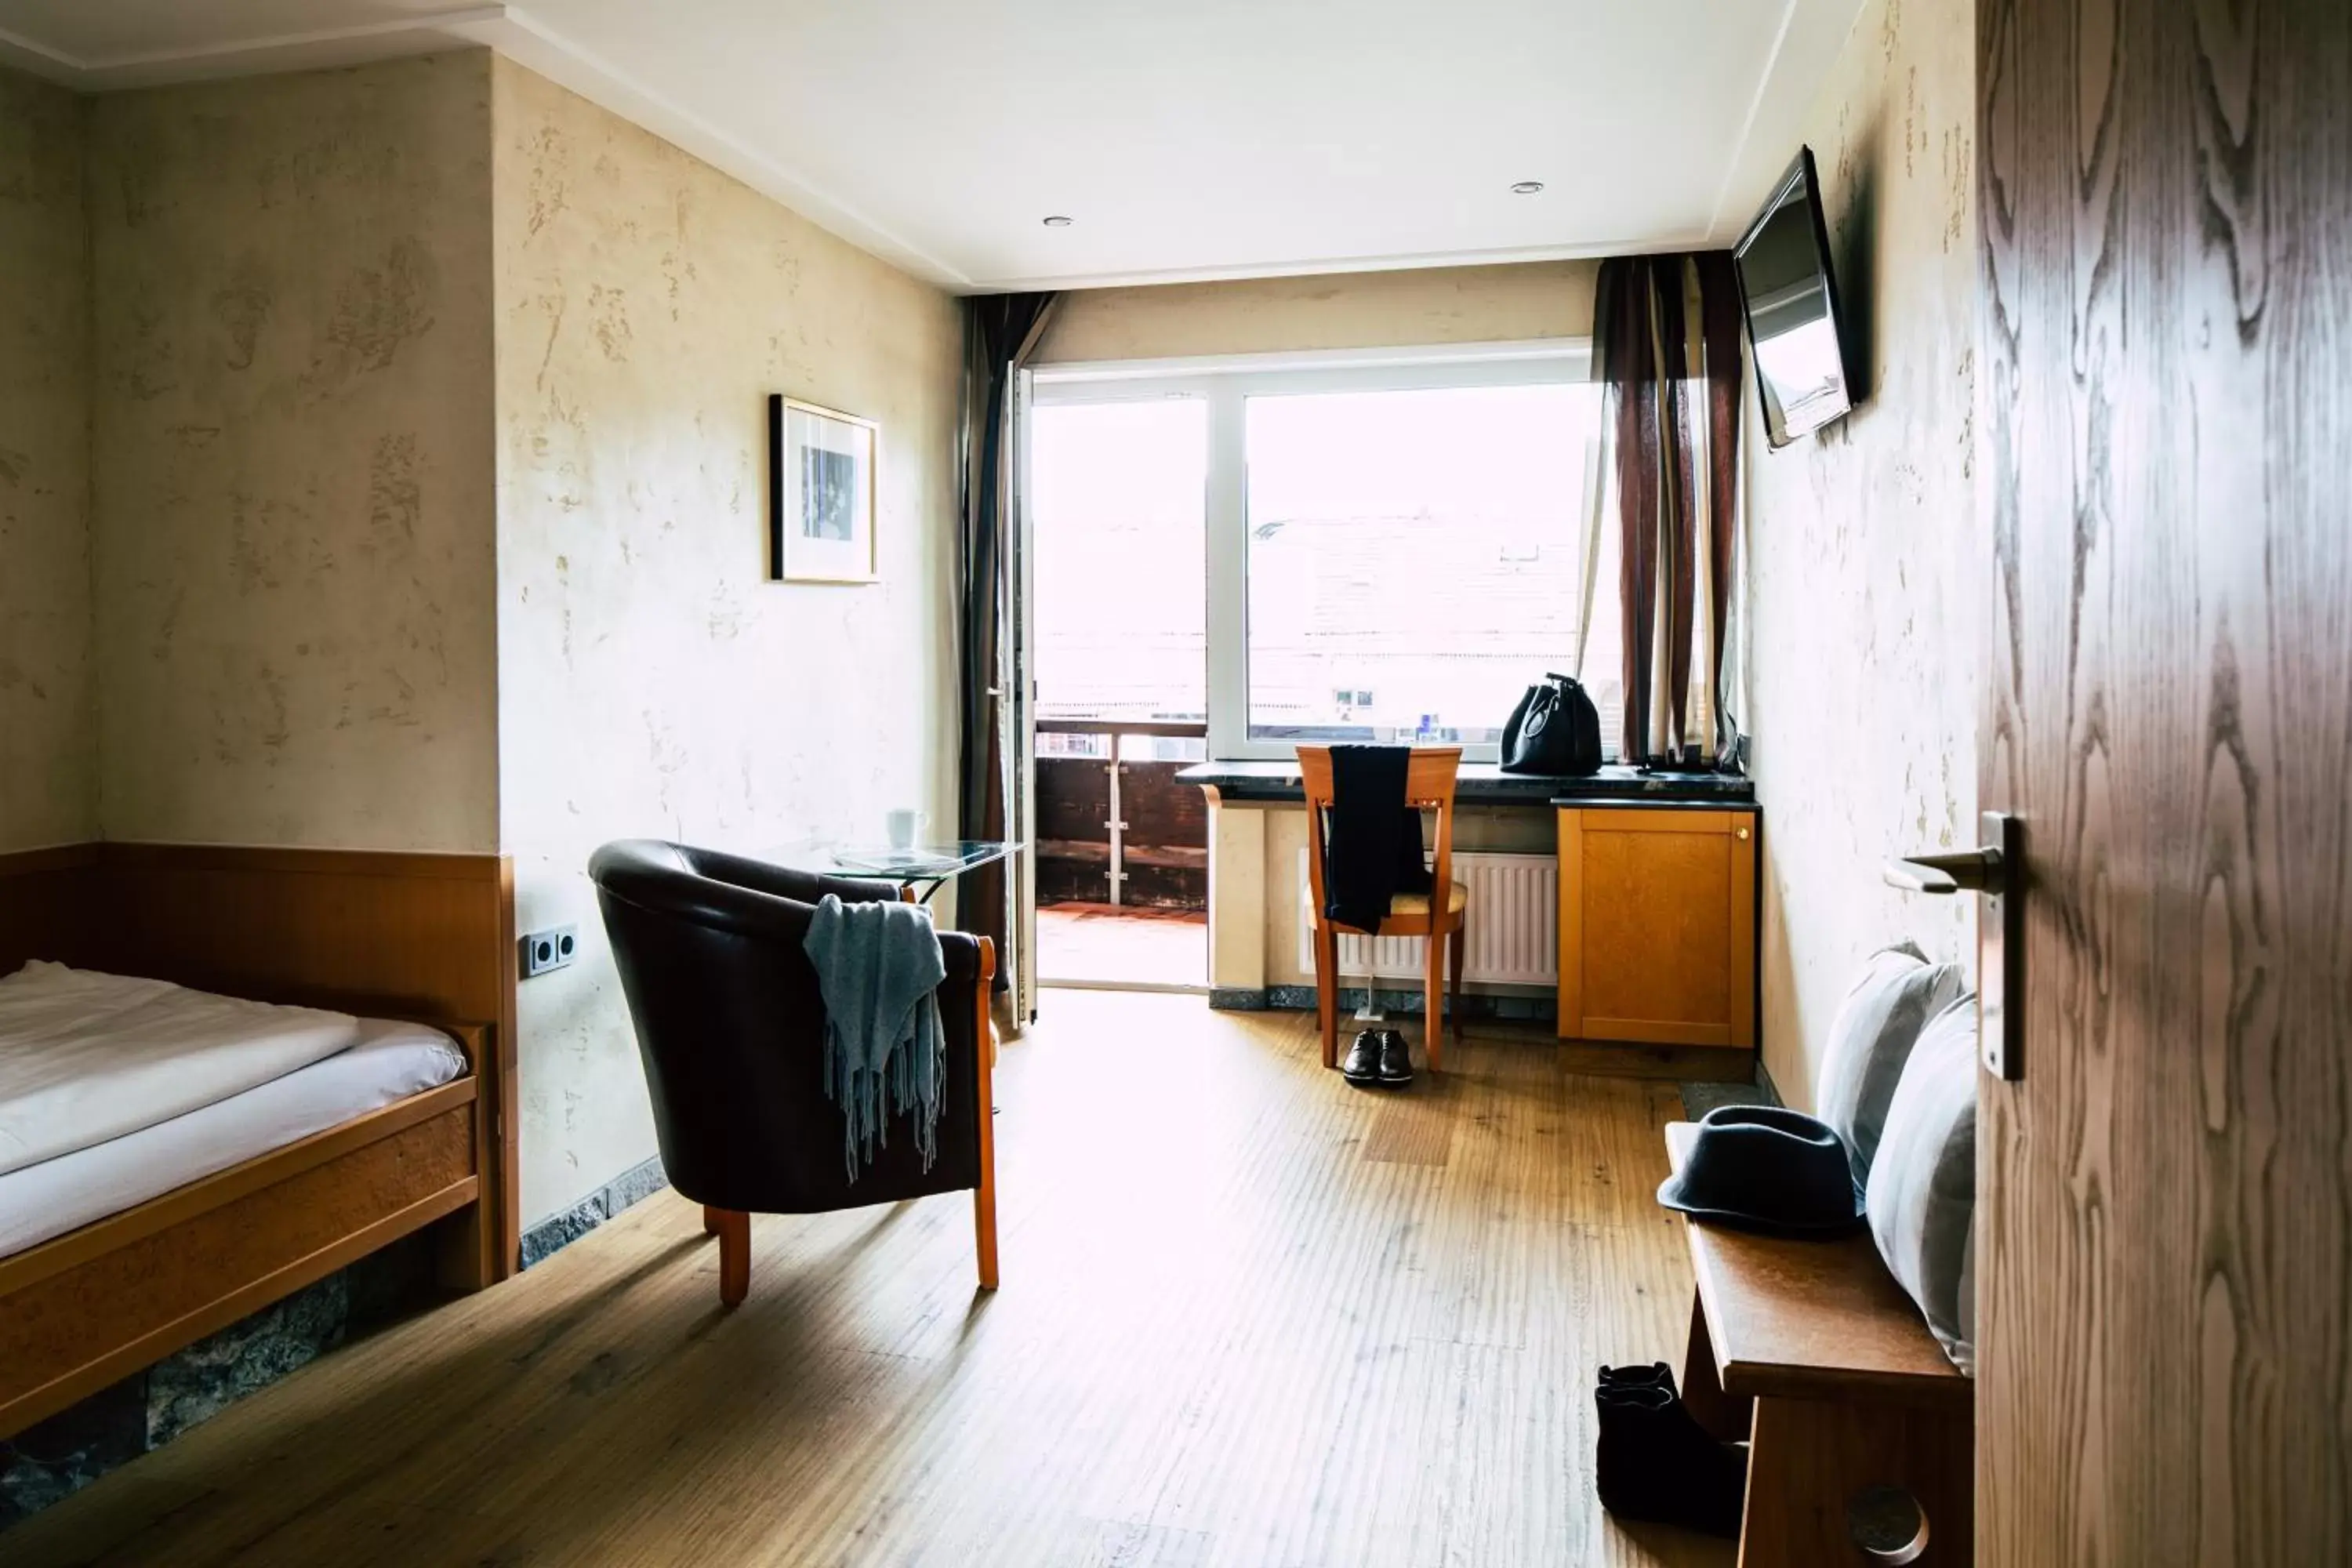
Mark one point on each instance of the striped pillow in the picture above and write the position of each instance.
(1923, 1187)
(1871, 1039)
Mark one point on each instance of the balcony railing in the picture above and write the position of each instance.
(1116, 829)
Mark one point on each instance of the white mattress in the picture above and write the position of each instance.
(87, 1056)
(388, 1062)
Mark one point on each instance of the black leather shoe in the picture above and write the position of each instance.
(1396, 1061)
(1361, 1065)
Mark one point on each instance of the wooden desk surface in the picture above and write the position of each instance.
(1812, 1320)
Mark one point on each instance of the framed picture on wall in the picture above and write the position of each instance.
(820, 482)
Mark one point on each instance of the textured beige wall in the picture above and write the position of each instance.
(293, 445)
(1341, 311)
(1864, 543)
(651, 682)
(48, 724)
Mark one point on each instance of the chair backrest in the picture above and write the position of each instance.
(729, 1021)
(1429, 779)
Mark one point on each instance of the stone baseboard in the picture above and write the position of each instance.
(553, 1235)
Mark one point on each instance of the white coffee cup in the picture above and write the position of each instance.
(905, 827)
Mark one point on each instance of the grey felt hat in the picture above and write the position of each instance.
(1766, 1167)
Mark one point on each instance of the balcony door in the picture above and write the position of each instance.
(1117, 626)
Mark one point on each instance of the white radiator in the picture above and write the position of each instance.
(1513, 926)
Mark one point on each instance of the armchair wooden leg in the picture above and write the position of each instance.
(983, 1198)
(734, 1230)
(983, 1226)
(712, 1219)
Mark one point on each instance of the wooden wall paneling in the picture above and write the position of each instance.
(2165, 1236)
(399, 935)
(46, 905)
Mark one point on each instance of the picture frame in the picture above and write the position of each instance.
(822, 474)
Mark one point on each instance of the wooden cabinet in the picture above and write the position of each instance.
(1657, 925)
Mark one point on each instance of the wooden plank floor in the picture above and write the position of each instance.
(1251, 1316)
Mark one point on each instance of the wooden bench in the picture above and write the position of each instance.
(1812, 1351)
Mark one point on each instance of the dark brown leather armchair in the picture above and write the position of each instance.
(731, 1025)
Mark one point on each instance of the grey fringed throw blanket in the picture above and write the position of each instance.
(878, 965)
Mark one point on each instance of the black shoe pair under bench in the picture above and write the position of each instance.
(1657, 1464)
(1378, 1059)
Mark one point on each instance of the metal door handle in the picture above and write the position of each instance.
(1994, 871)
(1978, 870)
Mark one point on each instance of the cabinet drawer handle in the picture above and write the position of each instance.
(1741, 833)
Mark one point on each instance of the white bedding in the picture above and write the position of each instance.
(86, 1057)
(389, 1062)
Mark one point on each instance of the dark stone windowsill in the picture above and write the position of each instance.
(1485, 784)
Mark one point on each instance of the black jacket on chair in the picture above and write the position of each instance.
(731, 1025)
(1373, 849)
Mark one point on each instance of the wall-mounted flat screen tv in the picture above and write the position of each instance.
(1791, 302)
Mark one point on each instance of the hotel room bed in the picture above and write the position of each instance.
(387, 1061)
(162, 1181)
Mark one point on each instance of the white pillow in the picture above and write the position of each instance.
(1923, 1187)
(1871, 1039)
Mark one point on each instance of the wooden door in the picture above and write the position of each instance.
(1658, 926)
(2166, 1234)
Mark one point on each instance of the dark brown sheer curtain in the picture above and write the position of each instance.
(1667, 350)
(1000, 331)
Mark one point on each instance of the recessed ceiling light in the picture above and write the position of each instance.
(1058, 221)
(1524, 188)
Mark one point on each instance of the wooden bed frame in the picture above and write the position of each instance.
(428, 938)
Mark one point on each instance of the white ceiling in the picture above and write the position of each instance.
(1188, 139)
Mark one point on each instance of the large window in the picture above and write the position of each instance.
(1391, 551)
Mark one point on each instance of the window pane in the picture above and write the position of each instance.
(1414, 561)
(1119, 613)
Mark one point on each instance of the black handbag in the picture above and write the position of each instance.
(1555, 732)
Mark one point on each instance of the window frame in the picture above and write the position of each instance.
(1226, 384)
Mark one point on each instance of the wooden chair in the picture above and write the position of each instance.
(1438, 915)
